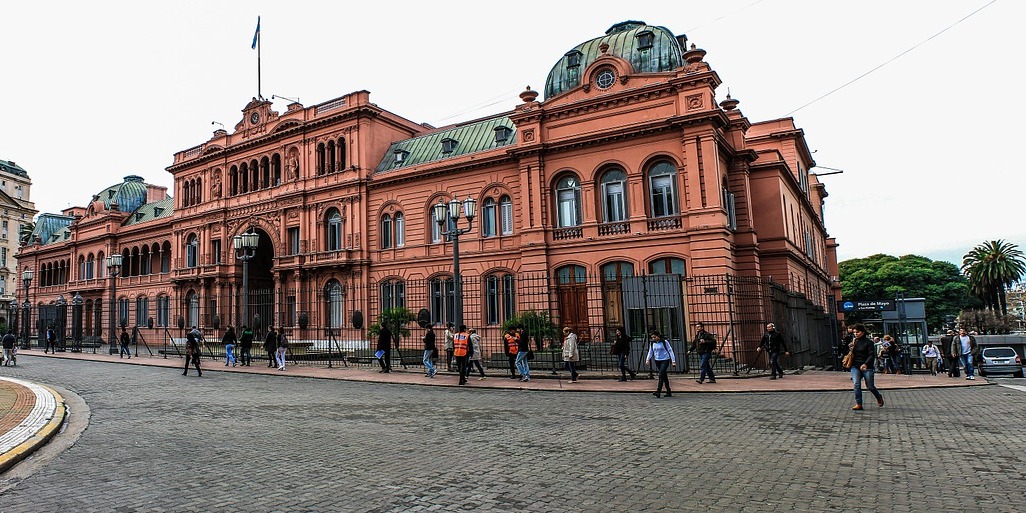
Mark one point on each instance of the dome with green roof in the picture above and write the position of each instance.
(129, 195)
(648, 48)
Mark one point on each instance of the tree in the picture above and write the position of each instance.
(396, 319)
(881, 276)
(991, 267)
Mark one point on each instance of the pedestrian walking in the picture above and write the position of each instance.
(246, 346)
(460, 351)
(384, 349)
(890, 354)
(192, 352)
(773, 343)
(9, 342)
(947, 352)
(511, 348)
(660, 351)
(125, 340)
(476, 351)
(449, 334)
(621, 349)
(862, 366)
(523, 354)
(430, 351)
(930, 354)
(704, 344)
(229, 340)
(51, 340)
(571, 355)
(282, 350)
(966, 348)
(271, 347)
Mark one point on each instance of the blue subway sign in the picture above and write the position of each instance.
(869, 305)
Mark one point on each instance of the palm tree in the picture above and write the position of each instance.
(991, 267)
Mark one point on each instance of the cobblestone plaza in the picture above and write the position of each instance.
(158, 441)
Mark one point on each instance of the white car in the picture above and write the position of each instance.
(1001, 360)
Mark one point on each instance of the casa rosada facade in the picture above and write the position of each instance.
(628, 166)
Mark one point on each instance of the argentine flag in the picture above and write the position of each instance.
(256, 35)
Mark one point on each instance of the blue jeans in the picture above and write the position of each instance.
(522, 367)
(967, 362)
(427, 362)
(775, 369)
(706, 368)
(229, 354)
(125, 350)
(662, 366)
(857, 375)
(621, 362)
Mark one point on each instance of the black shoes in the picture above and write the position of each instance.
(656, 394)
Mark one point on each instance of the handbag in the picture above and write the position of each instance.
(530, 354)
(849, 358)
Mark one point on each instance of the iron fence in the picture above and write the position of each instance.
(335, 325)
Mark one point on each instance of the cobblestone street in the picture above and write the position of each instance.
(159, 441)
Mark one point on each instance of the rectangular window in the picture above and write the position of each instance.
(506, 208)
(615, 210)
(400, 230)
(3, 234)
(663, 203)
(3, 257)
(3, 286)
(142, 310)
(122, 311)
(508, 304)
(443, 301)
(492, 300)
(728, 205)
(488, 219)
(294, 241)
(215, 247)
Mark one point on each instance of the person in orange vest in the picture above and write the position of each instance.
(461, 350)
(512, 344)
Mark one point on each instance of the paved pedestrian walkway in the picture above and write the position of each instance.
(30, 415)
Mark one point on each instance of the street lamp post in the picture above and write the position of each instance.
(114, 269)
(245, 249)
(26, 278)
(452, 212)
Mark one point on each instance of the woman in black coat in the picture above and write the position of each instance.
(385, 348)
(862, 366)
(622, 348)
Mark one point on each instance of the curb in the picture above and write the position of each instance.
(40, 438)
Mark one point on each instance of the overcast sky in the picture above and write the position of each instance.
(94, 91)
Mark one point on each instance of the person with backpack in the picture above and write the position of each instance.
(192, 352)
(229, 341)
(9, 342)
(283, 348)
(660, 351)
(125, 340)
(246, 346)
(704, 344)
(51, 340)
(271, 346)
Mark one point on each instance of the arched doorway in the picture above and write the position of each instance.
(261, 285)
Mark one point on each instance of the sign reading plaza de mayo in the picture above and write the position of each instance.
(868, 305)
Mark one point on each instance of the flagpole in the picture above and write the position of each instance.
(259, 95)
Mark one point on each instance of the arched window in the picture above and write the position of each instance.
(331, 157)
(123, 307)
(233, 181)
(488, 218)
(320, 158)
(198, 192)
(333, 237)
(265, 172)
(81, 267)
(443, 300)
(614, 196)
(615, 272)
(244, 178)
(163, 310)
(144, 261)
(572, 295)
(342, 152)
(662, 182)
(400, 230)
(192, 251)
(101, 268)
(276, 169)
(499, 294)
(333, 294)
(506, 215)
(386, 231)
(192, 309)
(90, 267)
(142, 310)
(667, 266)
(165, 257)
(568, 202)
(393, 294)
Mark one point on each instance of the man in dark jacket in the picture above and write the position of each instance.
(385, 349)
(773, 343)
(8, 346)
(945, 348)
(704, 344)
(246, 346)
(271, 346)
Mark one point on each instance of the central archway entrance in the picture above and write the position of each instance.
(261, 285)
